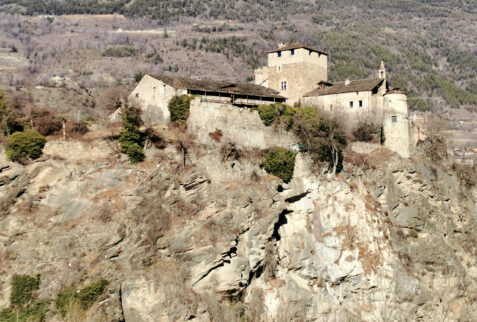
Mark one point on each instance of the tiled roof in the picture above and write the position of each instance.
(296, 46)
(360, 85)
(225, 87)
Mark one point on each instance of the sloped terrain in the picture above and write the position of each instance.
(222, 240)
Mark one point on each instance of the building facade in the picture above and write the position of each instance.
(293, 71)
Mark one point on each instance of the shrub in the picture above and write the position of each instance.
(138, 76)
(80, 127)
(24, 145)
(23, 287)
(323, 138)
(155, 138)
(179, 107)
(131, 139)
(10, 118)
(34, 312)
(268, 113)
(90, 293)
(280, 162)
(466, 174)
(46, 122)
(435, 147)
(85, 297)
(277, 113)
(112, 98)
(120, 51)
(366, 131)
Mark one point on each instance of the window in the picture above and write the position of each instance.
(279, 54)
(360, 103)
(309, 52)
(350, 104)
(293, 51)
(283, 85)
(394, 119)
(279, 68)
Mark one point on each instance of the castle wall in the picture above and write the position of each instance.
(339, 105)
(240, 126)
(396, 124)
(152, 96)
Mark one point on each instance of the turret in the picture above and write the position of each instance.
(396, 123)
(382, 71)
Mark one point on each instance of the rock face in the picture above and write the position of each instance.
(219, 239)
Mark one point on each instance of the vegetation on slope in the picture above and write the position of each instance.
(132, 139)
(320, 136)
(25, 145)
(84, 298)
(24, 305)
(280, 162)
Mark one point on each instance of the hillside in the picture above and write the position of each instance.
(429, 46)
(219, 239)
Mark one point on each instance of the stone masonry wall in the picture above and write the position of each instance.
(240, 126)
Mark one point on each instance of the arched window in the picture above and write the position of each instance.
(283, 85)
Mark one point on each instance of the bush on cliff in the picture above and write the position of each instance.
(367, 131)
(179, 107)
(277, 114)
(23, 303)
(23, 287)
(323, 138)
(25, 145)
(70, 298)
(131, 140)
(280, 162)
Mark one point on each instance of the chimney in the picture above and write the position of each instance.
(347, 82)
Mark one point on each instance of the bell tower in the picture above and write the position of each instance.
(382, 71)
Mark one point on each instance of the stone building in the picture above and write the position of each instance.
(153, 94)
(293, 71)
(358, 99)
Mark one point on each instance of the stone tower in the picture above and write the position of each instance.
(396, 123)
(293, 71)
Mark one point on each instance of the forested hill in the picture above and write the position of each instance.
(429, 46)
(243, 10)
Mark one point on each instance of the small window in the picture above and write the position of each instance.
(293, 51)
(283, 85)
(279, 54)
(394, 119)
(350, 104)
(309, 52)
(279, 68)
(360, 103)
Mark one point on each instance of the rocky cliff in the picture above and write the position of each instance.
(219, 239)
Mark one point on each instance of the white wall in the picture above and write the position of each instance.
(152, 96)
(397, 133)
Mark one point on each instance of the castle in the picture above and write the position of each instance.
(295, 74)
(300, 74)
